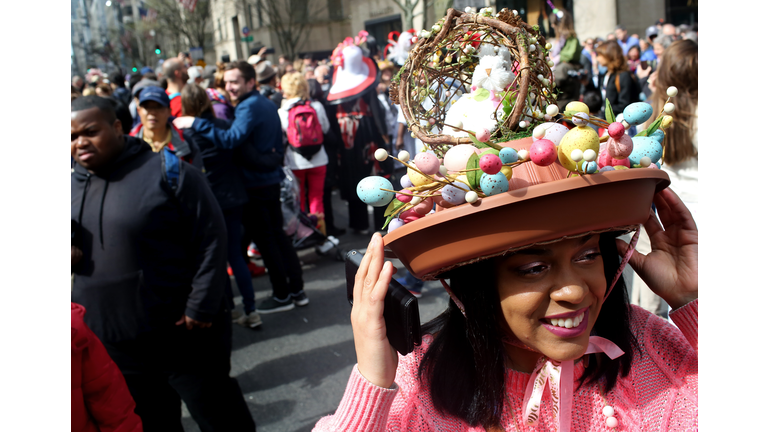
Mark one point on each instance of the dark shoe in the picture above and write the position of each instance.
(272, 305)
(300, 298)
(256, 270)
(333, 231)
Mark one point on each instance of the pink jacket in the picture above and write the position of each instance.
(659, 394)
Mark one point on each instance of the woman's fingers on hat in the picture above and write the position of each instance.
(652, 224)
(637, 259)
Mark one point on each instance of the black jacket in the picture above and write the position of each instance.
(223, 175)
(630, 90)
(150, 255)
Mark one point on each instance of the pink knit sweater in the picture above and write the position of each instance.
(659, 394)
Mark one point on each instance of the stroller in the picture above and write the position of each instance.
(300, 227)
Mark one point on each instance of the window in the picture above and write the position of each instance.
(300, 9)
(259, 12)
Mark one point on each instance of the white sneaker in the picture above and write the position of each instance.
(251, 320)
(237, 314)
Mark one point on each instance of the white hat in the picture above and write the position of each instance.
(354, 74)
(194, 72)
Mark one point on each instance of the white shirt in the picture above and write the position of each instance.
(293, 160)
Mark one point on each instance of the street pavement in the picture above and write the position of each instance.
(293, 369)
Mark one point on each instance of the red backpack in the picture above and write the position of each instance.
(304, 131)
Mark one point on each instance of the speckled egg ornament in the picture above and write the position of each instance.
(645, 147)
(580, 137)
(427, 163)
(508, 155)
(543, 152)
(492, 184)
(553, 132)
(490, 163)
(621, 148)
(637, 113)
(456, 158)
(369, 191)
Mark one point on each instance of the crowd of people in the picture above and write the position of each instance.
(176, 184)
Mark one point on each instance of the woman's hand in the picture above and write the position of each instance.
(642, 73)
(376, 359)
(671, 270)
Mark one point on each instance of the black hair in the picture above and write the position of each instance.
(122, 113)
(103, 104)
(118, 79)
(163, 83)
(464, 366)
(593, 99)
(315, 90)
(135, 78)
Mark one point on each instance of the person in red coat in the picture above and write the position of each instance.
(100, 398)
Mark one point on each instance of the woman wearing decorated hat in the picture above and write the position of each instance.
(362, 123)
(539, 333)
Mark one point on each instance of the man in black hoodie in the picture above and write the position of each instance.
(152, 274)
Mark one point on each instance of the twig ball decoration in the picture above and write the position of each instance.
(440, 66)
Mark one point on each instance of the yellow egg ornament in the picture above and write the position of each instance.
(581, 137)
(507, 171)
(418, 179)
(577, 106)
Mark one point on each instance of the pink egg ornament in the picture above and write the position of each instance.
(424, 207)
(483, 135)
(402, 197)
(427, 163)
(543, 152)
(616, 130)
(410, 216)
(490, 163)
(604, 159)
(619, 148)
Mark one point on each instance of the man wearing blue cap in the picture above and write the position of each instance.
(157, 130)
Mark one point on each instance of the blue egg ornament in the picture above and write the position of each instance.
(369, 191)
(589, 167)
(658, 135)
(607, 168)
(637, 113)
(508, 155)
(645, 146)
(494, 184)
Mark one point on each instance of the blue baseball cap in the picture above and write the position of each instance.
(146, 70)
(154, 94)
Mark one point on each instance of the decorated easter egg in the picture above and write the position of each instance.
(589, 167)
(507, 171)
(616, 130)
(604, 159)
(658, 135)
(645, 147)
(403, 197)
(621, 148)
(369, 191)
(508, 155)
(543, 152)
(457, 156)
(427, 163)
(453, 194)
(424, 207)
(405, 182)
(418, 179)
(409, 216)
(637, 113)
(607, 168)
(395, 224)
(582, 138)
(577, 107)
(492, 184)
(490, 164)
(553, 132)
(483, 135)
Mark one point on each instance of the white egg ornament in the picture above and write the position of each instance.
(395, 224)
(456, 158)
(552, 131)
(369, 191)
(492, 184)
(380, 155)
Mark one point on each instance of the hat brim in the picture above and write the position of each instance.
(336, 97)
(542, 213)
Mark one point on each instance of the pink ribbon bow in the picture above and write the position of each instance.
(559, 375)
